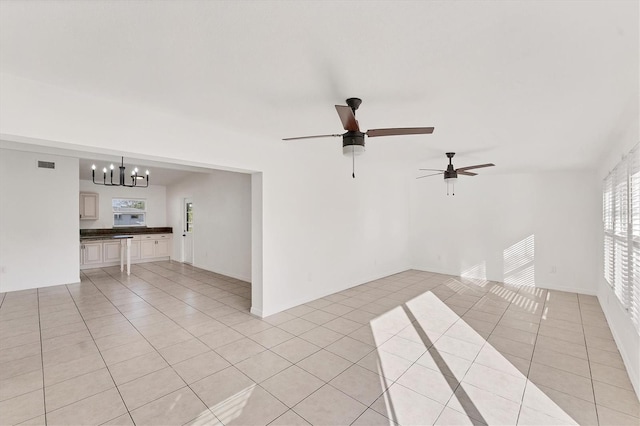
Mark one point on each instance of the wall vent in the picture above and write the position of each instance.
(46, 164)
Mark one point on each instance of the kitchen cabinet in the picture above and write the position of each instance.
(91, 253)
(148, 249)
(111, 251)
(162, 248)
(89, 206)
(144, 248)
(135, 249)
(155, 246)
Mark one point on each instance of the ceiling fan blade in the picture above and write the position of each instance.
(479, 166)
(429, 175)
(311, 137)
(400, 131)
(467, 173)
(347, 117)
(433, 170)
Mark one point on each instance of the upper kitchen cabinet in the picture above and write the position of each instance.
(89, 206)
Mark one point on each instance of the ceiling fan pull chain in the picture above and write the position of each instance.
(353, 162)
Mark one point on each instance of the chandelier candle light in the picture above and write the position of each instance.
(121, 182)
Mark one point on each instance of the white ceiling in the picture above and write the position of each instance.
(528, 84)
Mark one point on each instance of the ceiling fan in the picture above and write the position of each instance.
(353, 139)
(451, 174)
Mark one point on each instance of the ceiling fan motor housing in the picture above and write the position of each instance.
(353, 143)
(450, 173)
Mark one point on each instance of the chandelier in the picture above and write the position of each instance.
(122, 177)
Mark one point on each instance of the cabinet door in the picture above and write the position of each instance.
(162, 248)
(147, 249)
(135, 250)
(88, 206)
(92, 253)
(112, 252)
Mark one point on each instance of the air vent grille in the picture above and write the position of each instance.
(46, 164)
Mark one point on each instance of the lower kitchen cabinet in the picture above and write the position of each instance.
(111, 251)
(91, 253)
(96, 254)
(155, 246)
(148, 249)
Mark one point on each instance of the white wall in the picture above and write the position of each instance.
(155, 195)
(256, 245)
(623, 330)
(39, 244)
(322, 231)
(514, 228)
(222, 221)
(330, 231)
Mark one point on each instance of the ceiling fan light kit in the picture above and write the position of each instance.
(353, 143)
(451, 174)
(353, 140)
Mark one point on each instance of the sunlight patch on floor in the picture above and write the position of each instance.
(231, 408)
(479, 382)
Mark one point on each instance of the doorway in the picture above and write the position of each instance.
(187, 234)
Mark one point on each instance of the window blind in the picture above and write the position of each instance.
(634, 235)
(607, 218)
(621, 223)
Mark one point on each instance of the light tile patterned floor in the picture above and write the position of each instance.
(173, 345)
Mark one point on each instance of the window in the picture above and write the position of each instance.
(621, 220)
(189, 216)
(129, 212)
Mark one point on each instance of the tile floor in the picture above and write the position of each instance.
(173, 345)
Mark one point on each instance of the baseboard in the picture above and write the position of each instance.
(9, 288)
(257, 312)
(546, 286)
(225, 273)
(630, 360)
(320, 295)
(117, 263)
(567, 289)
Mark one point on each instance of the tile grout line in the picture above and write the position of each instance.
(535, 344)
(105, 364)
(375, 349)
(195, 337)
(196, 279)
(229, 326)
(170, 282)
(159, 354)
(327, 382)
(414, 363)
(44, 393)
(184, 286)
(266, 349)
(171, 295)
(485, 342)
(586, 349)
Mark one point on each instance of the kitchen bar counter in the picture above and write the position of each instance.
(109, 233)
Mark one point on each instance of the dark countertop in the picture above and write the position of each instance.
(124, 232)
